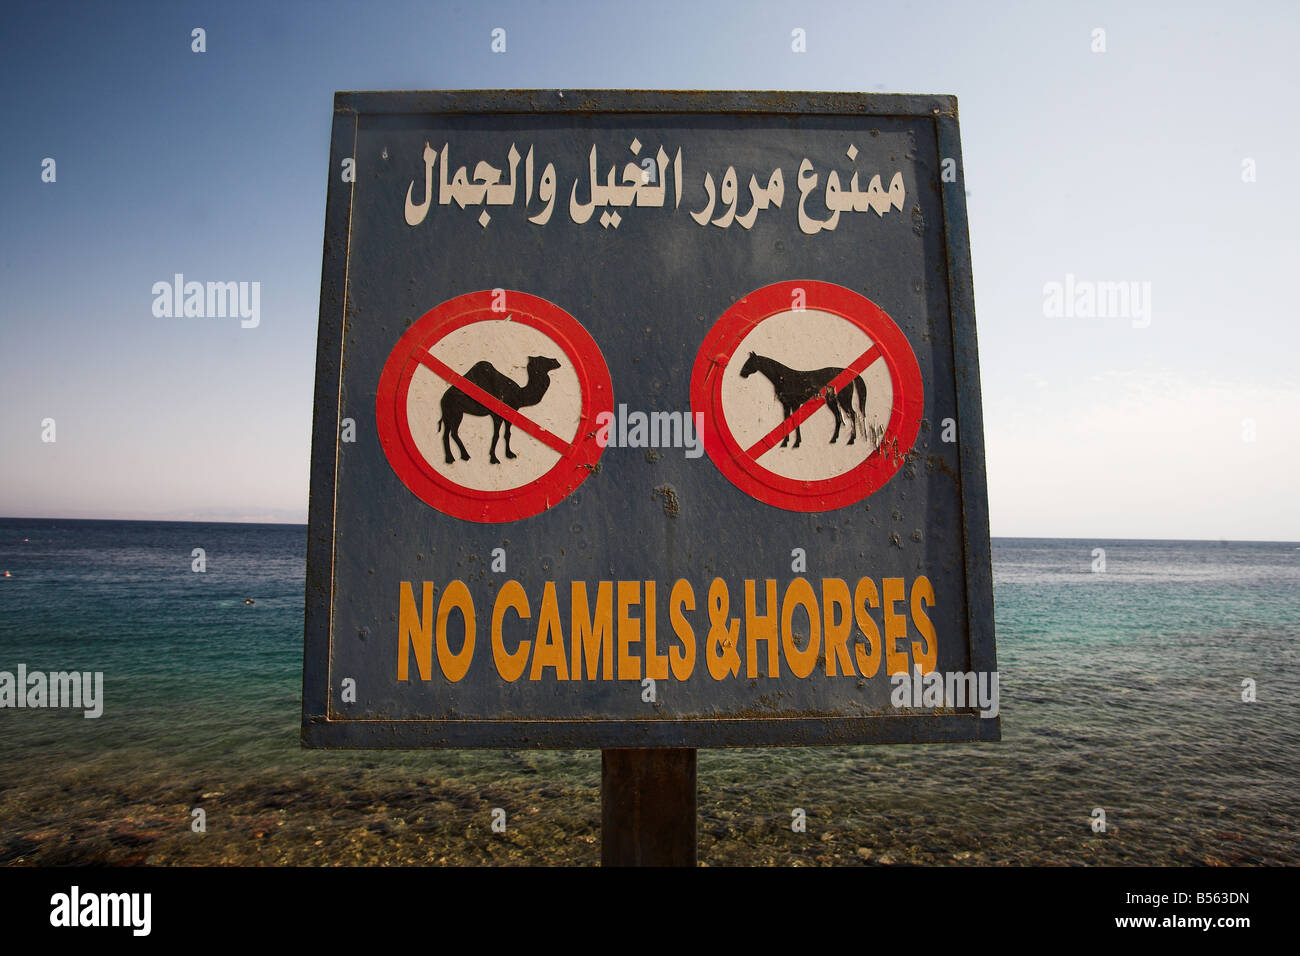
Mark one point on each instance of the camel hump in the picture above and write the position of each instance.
(486, 375)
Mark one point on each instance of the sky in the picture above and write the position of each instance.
(1144, 144)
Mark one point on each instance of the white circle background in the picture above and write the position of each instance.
(806, 340)
(507, 345)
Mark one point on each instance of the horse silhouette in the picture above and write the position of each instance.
(456, 404)
(794, 388)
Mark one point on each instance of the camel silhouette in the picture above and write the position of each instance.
(456, 404)
(794, 388)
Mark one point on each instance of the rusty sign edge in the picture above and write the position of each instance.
(775, 102)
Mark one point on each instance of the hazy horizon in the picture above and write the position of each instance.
(253, 521)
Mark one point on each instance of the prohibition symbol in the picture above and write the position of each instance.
(812, 397)
(486, 407)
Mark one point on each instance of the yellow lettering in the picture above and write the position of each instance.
(761, 628)
(414, 630)
(549, 650)
(836, 600)
(895, 627)
(683, 660)
(799, 593)
(629, 630)
(455, 597)
(656, 664)
(592, 635)
(509, 666)
(720, 650)
(922, 594)
(865, 595)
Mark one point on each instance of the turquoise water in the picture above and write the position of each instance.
(1120, 690)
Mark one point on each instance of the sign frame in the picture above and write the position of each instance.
(319, 730)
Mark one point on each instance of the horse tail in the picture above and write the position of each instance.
(439, 428)
(860, 387)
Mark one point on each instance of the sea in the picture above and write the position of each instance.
(1149, 717)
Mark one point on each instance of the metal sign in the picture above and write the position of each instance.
(647, 419)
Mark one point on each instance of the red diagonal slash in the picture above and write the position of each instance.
(804, 411)
(492, 403)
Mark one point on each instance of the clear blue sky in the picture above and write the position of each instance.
(1123, 165)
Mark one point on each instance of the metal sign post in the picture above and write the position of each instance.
(647, 807)
(647, 421)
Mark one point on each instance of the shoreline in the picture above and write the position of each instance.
(383, 817)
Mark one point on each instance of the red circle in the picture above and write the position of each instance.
(744, 471)
(472, 504)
